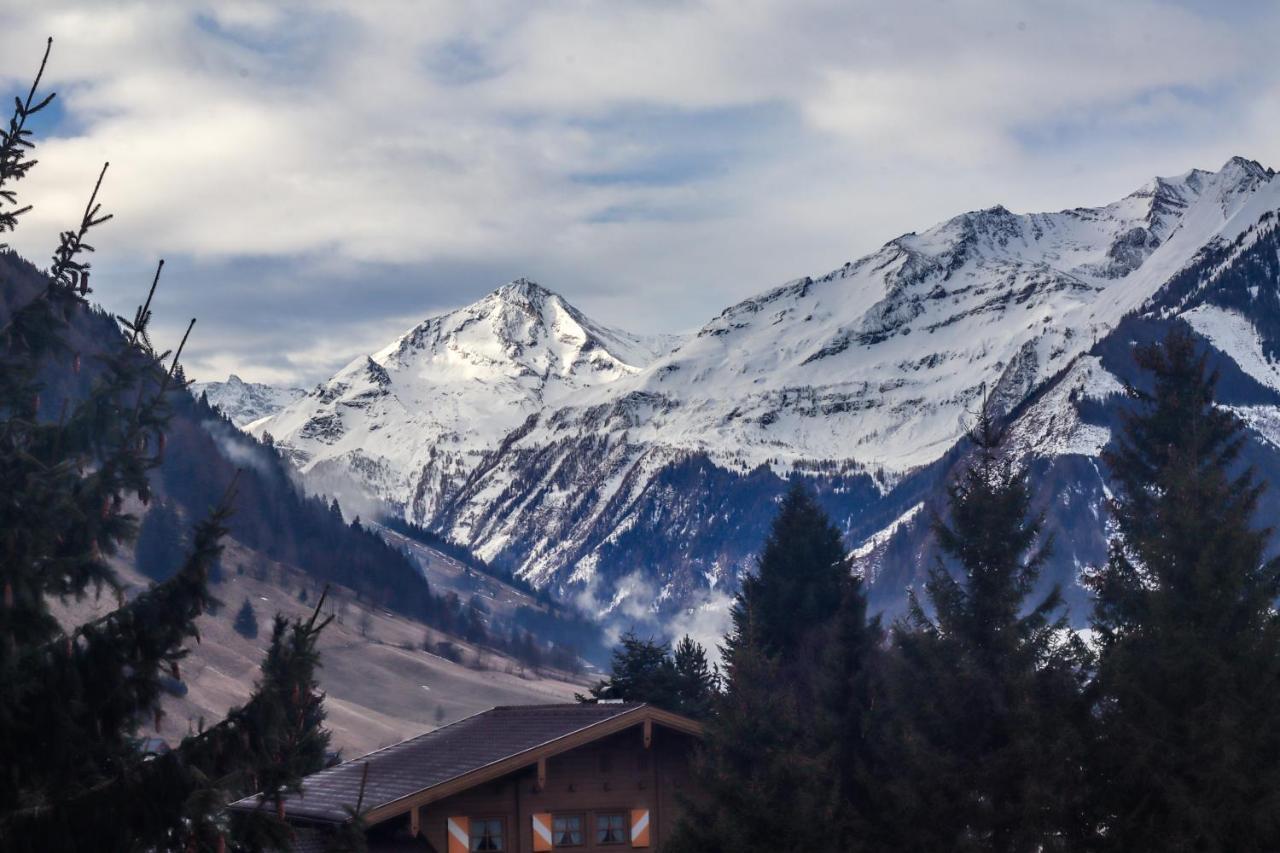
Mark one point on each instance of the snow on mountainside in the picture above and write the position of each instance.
(642, 479)
(872, 368)
(877, 361)
(405, 425)
(245, 402)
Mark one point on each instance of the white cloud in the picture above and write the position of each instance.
(725, 145)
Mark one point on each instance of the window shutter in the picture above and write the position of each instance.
(542, 832)
(639, 827)
(459, 835)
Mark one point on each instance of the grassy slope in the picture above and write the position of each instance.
(381, 687)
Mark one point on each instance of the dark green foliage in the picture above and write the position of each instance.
(987, 687)
(800, 578)
(786, 757)
(282, 725)
(15, 143)
(69, 703)
(696, 681)
(645, 670)
(72, 704)
(159, 549)
(641, 672)
(246, 623)
(59, 521)
(175, 801)
(1188, 686)
(76, 449)
(758, 790)
(847, 726)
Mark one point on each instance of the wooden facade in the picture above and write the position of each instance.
(590, 785)
(524, 779)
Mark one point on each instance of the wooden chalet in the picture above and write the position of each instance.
(583, 777)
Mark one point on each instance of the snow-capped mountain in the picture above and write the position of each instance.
(869, 372)
(407, 424)
(245, 402)
(650, 478)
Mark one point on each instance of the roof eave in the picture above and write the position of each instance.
(478, 776)
(564, 743)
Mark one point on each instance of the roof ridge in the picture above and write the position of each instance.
(547, 706)
(493, 736)
(368, 755)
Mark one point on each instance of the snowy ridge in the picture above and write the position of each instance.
(876, 361)
(874, 367)
(1052, 425)
(406, 424)
(581, 455)
(245, 402)
(881, 538)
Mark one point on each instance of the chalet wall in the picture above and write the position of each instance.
(615, 774)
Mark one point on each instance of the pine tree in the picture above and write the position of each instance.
(799, 580)
(848, 710)
(1188, 686)
(645, 670)
(640, 670)
(175, 801)
(71, 702)
(766, 784)
(988, 686)
(757, 788)
(246, 623)
(696, 681)
(283, 725)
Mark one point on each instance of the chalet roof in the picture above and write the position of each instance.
(468, 752)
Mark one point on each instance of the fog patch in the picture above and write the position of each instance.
(238, 448)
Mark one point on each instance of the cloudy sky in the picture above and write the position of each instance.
(320, 176)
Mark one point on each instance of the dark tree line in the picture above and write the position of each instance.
(980, 721)
(565, 635)
(462, 554)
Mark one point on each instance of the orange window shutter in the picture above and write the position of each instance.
(542, 832)
(459, 834)
(639, 827)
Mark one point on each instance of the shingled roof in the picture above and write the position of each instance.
(477, 748)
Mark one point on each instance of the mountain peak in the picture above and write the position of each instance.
(1237, 173)
(1248, 168)
(245, 402)
(408, 423)
(523, 289)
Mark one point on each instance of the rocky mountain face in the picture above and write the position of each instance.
(245, 402)
(405, 426)
(642, 480)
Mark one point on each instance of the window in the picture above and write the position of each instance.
(486, 834)
(566, 830)
(611, 829)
